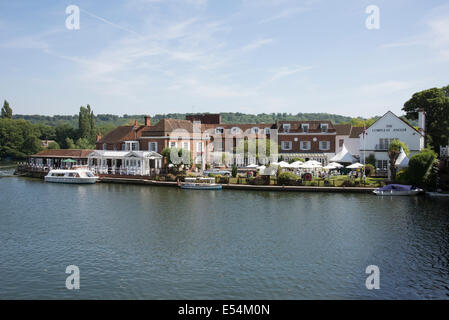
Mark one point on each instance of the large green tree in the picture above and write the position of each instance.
(6, 110)
(435, 103)
(18, 138)
(86, 124)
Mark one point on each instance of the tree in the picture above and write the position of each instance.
(6, 110)
(394, 150)
(86, 124)
(435, 103)
(53, 146)
(69, 144)
(83, 143)
(371, 159)
(419, 171)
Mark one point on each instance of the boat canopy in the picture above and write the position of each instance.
(397, 187)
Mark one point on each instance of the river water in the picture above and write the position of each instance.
(147, 242)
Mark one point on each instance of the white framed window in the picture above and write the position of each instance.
(305, 145)
(199, 147)
(218, 145)
(219, 130)
(305, 127)
(382, 164)
(286, 127)
(255, 130)
(104, 146)
(325, 145)
(186, 145)
(324, 127)
(267, 130)
(173, 144)
(286, 145)
(152, 146)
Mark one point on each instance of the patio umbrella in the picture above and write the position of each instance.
(252, 166)
(296, 164)
(313, 163)
(69, 160)
(355, 166)
(284, 164)
(335, 164)
(329, 167)
(261, 168)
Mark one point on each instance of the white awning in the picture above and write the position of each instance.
(343, 156)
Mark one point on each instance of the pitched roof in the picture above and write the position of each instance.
(399, 119)
(166, 126)
(314, 125)
(355, 132)
(122, 133)
(62, 153)
(343, 129)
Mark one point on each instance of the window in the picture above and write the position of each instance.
(305, 145)
(286, 127)
(267, 130)
(104, 146)
(235, 130)
(218, 145)
(255, 130)
(305, 127)
(172, 144)
(325, 145)
(115, 147)
(152, 146)
(340, 142)
(219, 130)
(199, 147)
(324, 127)
(382, 164)
(186, 145)
(286, 145)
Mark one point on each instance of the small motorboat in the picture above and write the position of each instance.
(200, 184)
(397, 190)
(82, 176)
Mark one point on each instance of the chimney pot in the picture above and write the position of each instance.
(147, 121)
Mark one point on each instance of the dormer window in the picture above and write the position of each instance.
(219, 130)
(267, 130)
(305, 127)
(235, 130)
(286, 127)
(324, 127)
(255, 130)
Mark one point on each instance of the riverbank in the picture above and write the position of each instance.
(243, 186)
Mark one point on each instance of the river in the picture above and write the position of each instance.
(148, 242)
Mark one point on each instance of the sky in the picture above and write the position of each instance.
(250, 56)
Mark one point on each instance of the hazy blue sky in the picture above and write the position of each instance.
(160, 56)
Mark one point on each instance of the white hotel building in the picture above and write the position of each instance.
(388, 128)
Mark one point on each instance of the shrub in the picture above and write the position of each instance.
(347, 183)
(419, 171)
(287, 178)
(371, 159)
(369, 170)
(234, 171)
(170, 177)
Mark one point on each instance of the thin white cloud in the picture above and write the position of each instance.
(286, 13)
(386, 87)
(288, 71)
(108, 22)
(256, 44)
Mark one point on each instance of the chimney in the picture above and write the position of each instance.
(136, 124)
(421, 120)
(99, 136)
(147, 121)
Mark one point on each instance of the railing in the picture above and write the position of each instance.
(131, 171)
(382, 147)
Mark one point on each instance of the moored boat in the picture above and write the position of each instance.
(200, 184)
(438, 194)
(397, 190)
(81, 176)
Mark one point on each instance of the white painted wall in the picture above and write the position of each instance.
(390, 127)
(351, 144)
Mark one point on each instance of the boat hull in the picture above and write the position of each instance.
(397, 193)
(200, 187)
(71, 180)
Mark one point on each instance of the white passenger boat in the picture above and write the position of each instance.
(200, 184)
(397, 190)
(71, 176)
